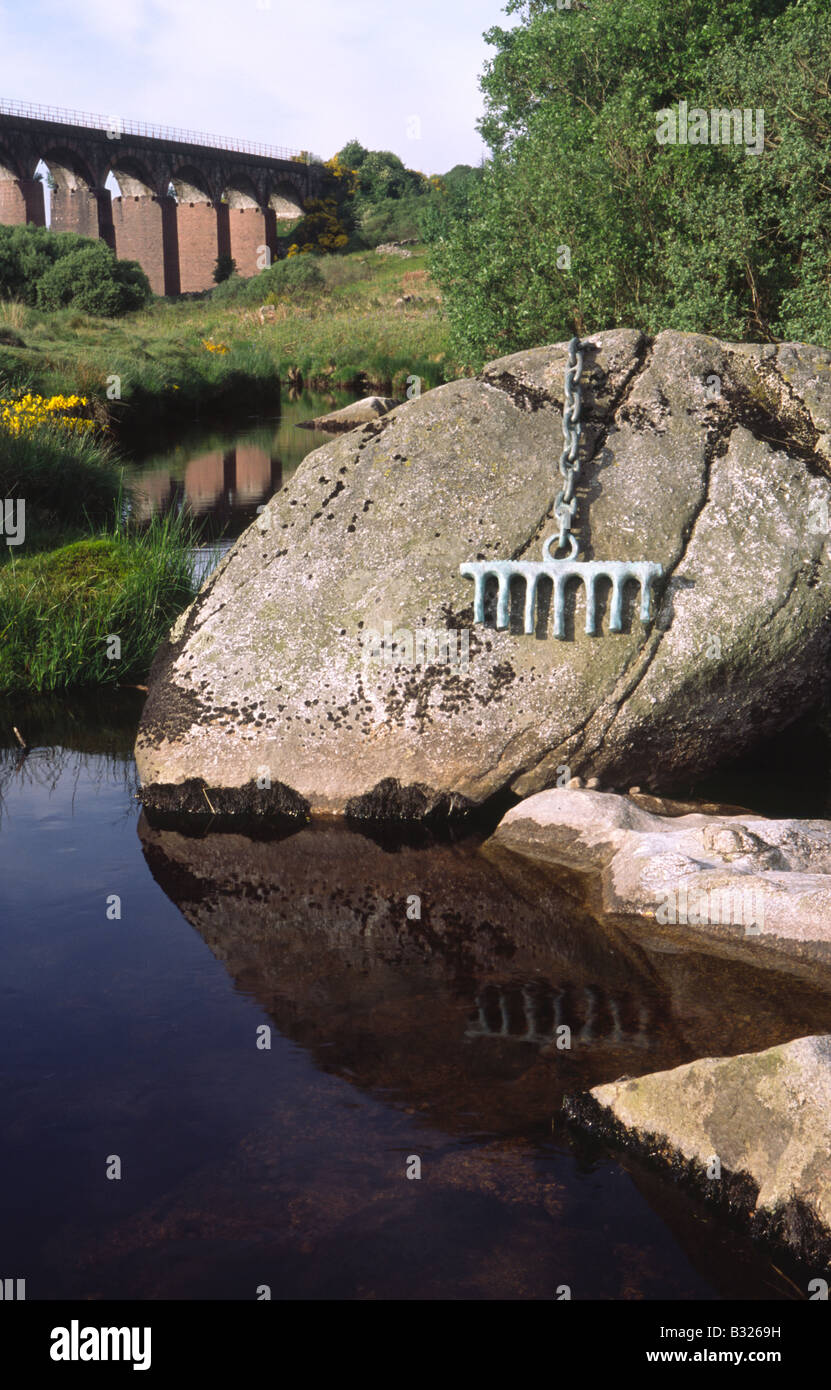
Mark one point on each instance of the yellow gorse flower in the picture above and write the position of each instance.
(31, 412)
(213, 347)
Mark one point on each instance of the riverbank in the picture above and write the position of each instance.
(85, 596)
(81, 390)
(91, 613)
(199, 358)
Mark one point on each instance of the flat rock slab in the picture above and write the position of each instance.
(296, 682)
(752, 1132)
(767, 881)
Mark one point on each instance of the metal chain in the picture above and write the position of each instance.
(565, 505)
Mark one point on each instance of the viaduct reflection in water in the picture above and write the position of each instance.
(223, 486)
(221, 470)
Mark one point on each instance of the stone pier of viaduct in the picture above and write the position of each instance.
(228, 198)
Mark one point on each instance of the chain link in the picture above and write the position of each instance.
(619, 572)
(565, 505)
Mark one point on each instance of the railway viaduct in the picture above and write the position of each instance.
(186, 198)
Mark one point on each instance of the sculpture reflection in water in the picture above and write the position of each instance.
(425, 985)
(458, 1009)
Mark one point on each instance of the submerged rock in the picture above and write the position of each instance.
(721, 875)
(334, 653)
(350, 416)
(752, 1132)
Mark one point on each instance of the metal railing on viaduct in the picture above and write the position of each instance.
(186, 197)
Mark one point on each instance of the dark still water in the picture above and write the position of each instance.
(392, 1039)
(223, 475)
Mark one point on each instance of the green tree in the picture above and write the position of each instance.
(450, 201)
(352, 155)
(582, 220)
(383, 175)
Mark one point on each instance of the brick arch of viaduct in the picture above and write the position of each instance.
(225, 203)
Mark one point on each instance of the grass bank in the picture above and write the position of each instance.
(68, 483)
(189, 358)
(85, 600)
(85, 597)
(91, 613)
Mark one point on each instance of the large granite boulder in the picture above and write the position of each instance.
(331, 663)
(753, 1132)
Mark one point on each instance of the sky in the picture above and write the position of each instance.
(400, 75)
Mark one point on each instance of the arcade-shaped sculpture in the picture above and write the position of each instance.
(560, 571)
(618, 572)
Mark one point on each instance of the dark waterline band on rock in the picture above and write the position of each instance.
(195, 797)
(791, 1226)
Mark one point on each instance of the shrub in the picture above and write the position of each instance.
(225, 267)
(325, 225)
(296, 276)
(234, 290)
(92, 280)
(26, 253)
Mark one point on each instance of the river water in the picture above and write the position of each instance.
(270, 1035)
(222, 476)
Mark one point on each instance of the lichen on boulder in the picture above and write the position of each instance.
(708, 458)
